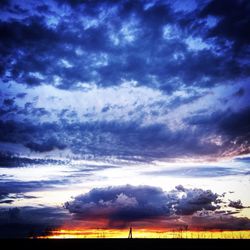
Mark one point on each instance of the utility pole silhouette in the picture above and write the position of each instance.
(130, 233)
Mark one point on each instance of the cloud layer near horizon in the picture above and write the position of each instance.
(117, 207)
(120, 206)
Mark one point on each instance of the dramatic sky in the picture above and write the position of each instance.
(124, 112)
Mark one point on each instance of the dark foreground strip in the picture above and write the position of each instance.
(125, 244)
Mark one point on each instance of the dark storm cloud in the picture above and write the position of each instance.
(21, 95)
(6, 201)
(11, 186)
(105, 138)
(237, 123)
(131, 203)
(7, 160)
(4, 3)
(8, 102)
(30, 221)
(207, 221)
(45, 146)
(38, 138)
(195, 200)
(239, 93)
(123, 203)
(8, 107)
(68, 43)
(130, 138)
(233, 21)
(140, 52)
(6, 198)
(236, 204)
(232, 124)
(243, 159)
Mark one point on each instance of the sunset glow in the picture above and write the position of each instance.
(146, 233)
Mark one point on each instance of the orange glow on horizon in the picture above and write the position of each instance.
(145, 233)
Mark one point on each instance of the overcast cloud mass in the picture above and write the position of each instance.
(146, 79)
(90, 88)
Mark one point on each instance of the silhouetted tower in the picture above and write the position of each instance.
(130, 233)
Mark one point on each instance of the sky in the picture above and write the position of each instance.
(120, 113)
